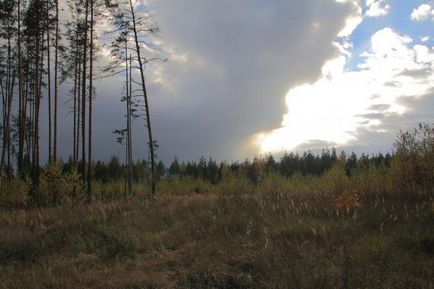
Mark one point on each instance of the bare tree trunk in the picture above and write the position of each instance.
(4, 118)
(89, 138)
(50, 151)
(145, 96)
(8, 101)
(28, 110)
(83, 99)
(75, 92)
(56, 82)
(26, 140)
(37, 99)
(7, 95)
(127, 116)
(9, 139)
(77, 139)
(130, 143)
(128, 146)
(21, 112)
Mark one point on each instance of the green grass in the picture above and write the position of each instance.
(221, 240)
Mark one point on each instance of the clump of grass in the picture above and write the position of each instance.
(14, 193)
(117, 245)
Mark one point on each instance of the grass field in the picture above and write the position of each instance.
(222, 240)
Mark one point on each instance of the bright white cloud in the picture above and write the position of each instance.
(341, 102)
(424, 55)
(425, 38)
(353, 20)
(377, 8)
(350, 25)
(423, 12)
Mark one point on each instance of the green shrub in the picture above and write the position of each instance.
(57, 187)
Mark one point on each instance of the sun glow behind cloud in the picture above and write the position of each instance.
(332, 109)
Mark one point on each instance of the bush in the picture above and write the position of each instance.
(412, 168)
(58, 188)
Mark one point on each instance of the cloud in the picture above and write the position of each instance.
(423, 12)
(351, 24)
(231, 63)
(342, 104)
(238, 59)
(377, 8)
(418, 109)
(425, 38)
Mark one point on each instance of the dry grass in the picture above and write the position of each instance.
(261, 240)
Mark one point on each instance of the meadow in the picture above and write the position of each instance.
(372, 228)
(261, 240)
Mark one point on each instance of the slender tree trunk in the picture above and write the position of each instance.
(56, 82)
(126, 189)
(75, 92)
(130, 143)
(28, 111)
(30, 89)
(83, 96)
(37, 99)
(89, 138)
(77, 139)
(24, 125)
(145, 96)
(50, 151)
(128, 146)
(9, 139)
(7, 95)
(4, 118)
(8, 85)
(21, 113)
(127, 100)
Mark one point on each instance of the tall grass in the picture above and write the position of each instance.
(261, 240)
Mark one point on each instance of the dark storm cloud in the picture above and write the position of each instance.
(241, 58)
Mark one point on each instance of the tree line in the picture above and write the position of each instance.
(407, 173)
(305, 164)
(43, 47)
(209, 170)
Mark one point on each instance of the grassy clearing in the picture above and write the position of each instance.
(215, 240)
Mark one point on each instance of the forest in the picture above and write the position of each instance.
(40, 52)
(332, 219)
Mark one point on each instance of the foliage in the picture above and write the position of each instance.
(59, 188)
(412, 168)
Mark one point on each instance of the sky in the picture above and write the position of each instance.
(250, 77)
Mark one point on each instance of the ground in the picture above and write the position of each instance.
(221, 241)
